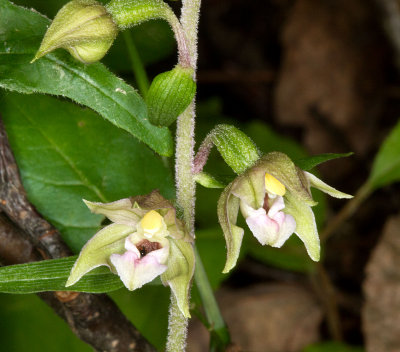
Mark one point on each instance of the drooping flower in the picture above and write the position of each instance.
(274, 198)
(145, 240)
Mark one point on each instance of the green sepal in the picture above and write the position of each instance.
(169, 95)
(228, 208)
(127, 13)
(322, 186)
(120, 212)
(306, 228)
(207, 181)
(179, 273)
(84, 28)
(97, 250)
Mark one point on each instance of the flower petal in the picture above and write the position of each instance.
(306, 228)
(277, 205)
(262, 226)
(286, 229)
(134, 271)
(98, 249)
(180, 272)
(228, 208)
(119, 212)
(317, 183)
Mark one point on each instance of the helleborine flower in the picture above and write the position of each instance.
(275, 199)
(145, 240)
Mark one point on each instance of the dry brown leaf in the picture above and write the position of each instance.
(381, 311)
(326, 85)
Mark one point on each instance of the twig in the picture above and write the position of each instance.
(93, 318)
(348, 210)
(327, 293)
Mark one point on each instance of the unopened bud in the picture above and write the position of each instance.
(169, 95)
(84, 28)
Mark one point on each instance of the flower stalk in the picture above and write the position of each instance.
(185, 182)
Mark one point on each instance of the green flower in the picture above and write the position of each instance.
(145, 240)
(275, 199)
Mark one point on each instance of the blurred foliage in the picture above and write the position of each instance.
(386, 167)
(27, 323)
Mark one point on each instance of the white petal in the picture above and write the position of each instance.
(160, 254)
(130, 247)
(277, 205)
(147, 270)
(135, 272)
(285, 231)
(262, 227)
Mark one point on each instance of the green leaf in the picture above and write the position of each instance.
(386, 166)
(25, 320)
(51, 275)
(21, 32)
(66, 153)
(310, 162)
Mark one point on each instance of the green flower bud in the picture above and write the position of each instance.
(169, 95)
(84, 28)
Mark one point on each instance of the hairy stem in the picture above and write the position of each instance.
(177, 328)
(185, 183)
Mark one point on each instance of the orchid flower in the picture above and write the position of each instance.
(144, 241)
(274, 198)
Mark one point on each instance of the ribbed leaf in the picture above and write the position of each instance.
(51, 275)
(21, 32)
